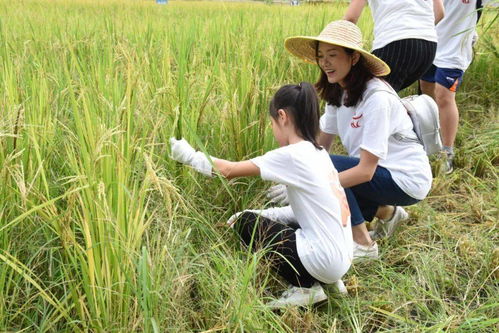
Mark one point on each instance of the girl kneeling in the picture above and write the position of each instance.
(309, 242)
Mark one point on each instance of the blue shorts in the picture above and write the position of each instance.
(450, 78)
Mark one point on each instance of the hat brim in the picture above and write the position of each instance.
(303, 47)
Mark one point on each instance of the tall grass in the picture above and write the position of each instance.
(101, 231)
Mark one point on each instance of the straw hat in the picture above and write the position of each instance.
(341, 33)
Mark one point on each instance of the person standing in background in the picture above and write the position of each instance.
(404, 35)
(456, 33)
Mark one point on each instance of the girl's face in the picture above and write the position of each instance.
(335, 62)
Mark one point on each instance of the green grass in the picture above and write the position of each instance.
(101, 231)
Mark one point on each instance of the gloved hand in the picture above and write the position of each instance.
(183, 152)
(235, 216)
(278, 194)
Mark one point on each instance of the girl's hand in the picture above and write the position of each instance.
(183, 152)
(232, 219)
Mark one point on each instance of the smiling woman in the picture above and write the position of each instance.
(336, 62)
(381, 172)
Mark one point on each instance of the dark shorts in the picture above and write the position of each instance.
(408, 59)
(450, 78)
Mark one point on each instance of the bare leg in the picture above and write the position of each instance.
(361, 235)
(449, 114)
(385, 212)
(427, 88)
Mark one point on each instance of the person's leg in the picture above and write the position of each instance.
(381, 197)
(385, 212)
(342, 163)
(359, 230)
(257, 232)
(280, 242)
(427, 88)
(427, 82)
(447, 82)
(361, 235)
(380, 191)
(448, 112)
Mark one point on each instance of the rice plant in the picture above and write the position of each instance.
(101, 231)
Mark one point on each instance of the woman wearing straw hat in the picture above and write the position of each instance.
(381, 173)
(404, 35)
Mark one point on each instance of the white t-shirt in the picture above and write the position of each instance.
(370, 125)
(319, 204)
(455, 35)
(402, 19)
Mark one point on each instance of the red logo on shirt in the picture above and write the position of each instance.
(355, 121)
(465, 1)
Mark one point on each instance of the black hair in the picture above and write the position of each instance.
(355, 84)
(300, 102)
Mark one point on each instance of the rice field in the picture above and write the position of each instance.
(101, 232)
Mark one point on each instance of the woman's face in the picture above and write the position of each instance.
(335, 62)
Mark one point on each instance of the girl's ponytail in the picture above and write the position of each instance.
(301, 103)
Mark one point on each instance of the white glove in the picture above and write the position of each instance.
(234, 217)
(282, 215)
(278, 194)
(183, 152)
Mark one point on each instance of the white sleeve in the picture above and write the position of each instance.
(277, 166)
(328, 121)
(376, 131)
(279, 214)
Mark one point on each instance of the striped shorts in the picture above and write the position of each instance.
(408, 59)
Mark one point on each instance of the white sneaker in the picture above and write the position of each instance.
(296, 296)
(448, 163)
(363, 252)
(340, 287)
(386, 228)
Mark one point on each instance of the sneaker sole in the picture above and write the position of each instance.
(360, 260)
(318, 303)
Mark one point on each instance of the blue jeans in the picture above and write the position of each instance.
(364, 199)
